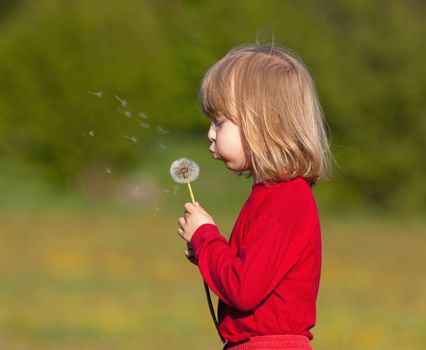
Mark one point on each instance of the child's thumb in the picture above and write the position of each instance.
(199, 206)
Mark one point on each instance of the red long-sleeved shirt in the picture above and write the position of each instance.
(267, 276)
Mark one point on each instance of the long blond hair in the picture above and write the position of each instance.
(268, 92)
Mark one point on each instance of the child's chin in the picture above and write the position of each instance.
(232, 167)
(229, 166)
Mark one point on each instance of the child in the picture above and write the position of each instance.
(265, 118)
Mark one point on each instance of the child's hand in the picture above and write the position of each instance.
(194, 217)
(189, 253)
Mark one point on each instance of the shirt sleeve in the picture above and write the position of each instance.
(265, 256)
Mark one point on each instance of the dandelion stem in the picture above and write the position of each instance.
(190, 191)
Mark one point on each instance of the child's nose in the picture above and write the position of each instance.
(211, 134)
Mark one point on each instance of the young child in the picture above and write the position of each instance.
(265, 119)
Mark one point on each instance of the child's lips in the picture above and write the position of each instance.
(213, 152)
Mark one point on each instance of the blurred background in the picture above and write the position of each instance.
(98, 98)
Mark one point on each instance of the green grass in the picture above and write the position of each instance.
(121, 281)
(108, 271)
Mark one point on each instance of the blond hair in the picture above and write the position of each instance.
(268, 92)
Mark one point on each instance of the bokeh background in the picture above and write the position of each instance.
(97, 98)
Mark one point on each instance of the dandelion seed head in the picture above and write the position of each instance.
(184, 170)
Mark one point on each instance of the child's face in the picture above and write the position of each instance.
(227, 144)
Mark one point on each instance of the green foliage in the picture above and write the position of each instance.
(365, 56)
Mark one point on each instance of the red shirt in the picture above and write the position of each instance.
(267, 276)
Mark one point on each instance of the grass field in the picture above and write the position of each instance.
(121, 281)
(110, 272)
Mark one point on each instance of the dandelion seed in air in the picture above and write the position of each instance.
(144, 125)
(97, 93)
(91, 133)
(162, 145)
(162, 131)
(142, 115)
(128, 114)
(134, 139)
(108, 171)
(122, 101)
(165, 190)
(175, 189)
(157, 209)
(185, 170)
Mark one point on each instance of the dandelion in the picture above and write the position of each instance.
(185, 170)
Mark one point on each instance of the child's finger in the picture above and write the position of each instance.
(189, 207)
(181, 221)
(190, 257)
(181, 233)
(200, 207)
(205, 213)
